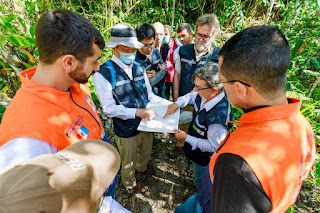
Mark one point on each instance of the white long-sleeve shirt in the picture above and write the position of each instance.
(104, 93)
(21, 149)
(216, 132)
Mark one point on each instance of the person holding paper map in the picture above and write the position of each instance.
(191, 57)
(211, 114)
(124, 90)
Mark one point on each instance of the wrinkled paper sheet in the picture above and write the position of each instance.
(158, 124)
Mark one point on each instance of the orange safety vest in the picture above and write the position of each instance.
(277, 143)
(57, 117)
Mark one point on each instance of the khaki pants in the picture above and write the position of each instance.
(184, 127)
(135, 153)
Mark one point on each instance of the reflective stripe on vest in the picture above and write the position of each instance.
(129, 93)
(189, 65)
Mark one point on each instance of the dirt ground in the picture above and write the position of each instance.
(170, 186)
(172, 183)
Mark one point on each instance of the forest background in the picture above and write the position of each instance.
(298, 19)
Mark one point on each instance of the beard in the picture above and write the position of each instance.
(79, 75)
(201, 46)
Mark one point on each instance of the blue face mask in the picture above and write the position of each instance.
(127, 58)
(166, 39)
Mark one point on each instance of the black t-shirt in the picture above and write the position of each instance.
(236, 188)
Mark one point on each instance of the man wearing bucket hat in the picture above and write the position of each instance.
(124, 90)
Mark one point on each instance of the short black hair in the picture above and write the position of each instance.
(259, 56)
(145, 30)
(184, 26)
(61, 31)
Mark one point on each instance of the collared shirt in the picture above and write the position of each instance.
(177, 65)
(216, 132)
(104, 93)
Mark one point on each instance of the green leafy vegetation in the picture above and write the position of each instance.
(298, 19)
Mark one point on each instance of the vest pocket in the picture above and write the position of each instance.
(185, 66)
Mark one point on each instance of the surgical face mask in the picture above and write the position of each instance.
(166, 39)
(127, 58)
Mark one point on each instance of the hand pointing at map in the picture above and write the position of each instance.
(146, 114)
(171, 109)
(163, 122)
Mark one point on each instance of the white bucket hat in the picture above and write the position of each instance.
(125, 35)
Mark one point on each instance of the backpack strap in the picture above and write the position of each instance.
(113, 79)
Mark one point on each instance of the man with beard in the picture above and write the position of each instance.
(192, 57)
(53, 108)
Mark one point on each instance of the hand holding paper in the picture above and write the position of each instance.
(180, 135)
(157, 123)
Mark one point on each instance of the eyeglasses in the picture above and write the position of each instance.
(232, 81)
(204, 37)
(199, 88)
(159, 34)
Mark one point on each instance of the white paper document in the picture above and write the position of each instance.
(158, 124)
